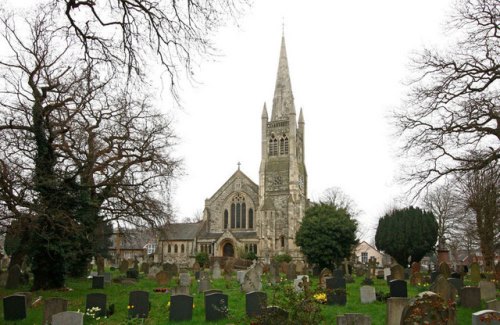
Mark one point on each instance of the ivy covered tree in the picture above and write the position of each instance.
(404, 233)
(327, 234)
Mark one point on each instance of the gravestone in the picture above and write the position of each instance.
(493, 305)
(434, 275)
(240, 276)
(162, 278)
(354, 319)
(145, 268)
(99, 261)
(171, 269)
(300, 267)
(133, 273)
(216, 271)
(107, 277)
(255, 303)
(428, 308)
(457, 283)
(14, 275)
(395, 307)
(416, 278)
(196, 267)
(184, 279)
(153, 271)
(216, 306)
(181, 308)
(28, 296)
(203, 285)
(138, 302)
(53, 306)
(98, 282)
(367, 294)
(203, 275)
(180, 290)
(209, 292)
(338, 273)
(490, 317)
(398, 288)
(325, 273)
(455, 275)
(283, 267)
(372, 263)
(251, 281)
(291, 273)
(298, 283)
(475, 272)
(470, 297)
(274, 315)
(14, 307)
(397, 272)
(229, 267)
(96, 302)
(444, 270)
(345, 264)
(387, 272)
(336, 291)
(123, 266)
(274, 273)
(135, 264)
(444, 289)
(488, 290)
(67, 317)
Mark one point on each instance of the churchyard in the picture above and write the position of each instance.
(223, 295)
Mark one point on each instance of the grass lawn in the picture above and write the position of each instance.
(118, 294)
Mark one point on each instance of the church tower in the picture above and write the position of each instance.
(282, 175)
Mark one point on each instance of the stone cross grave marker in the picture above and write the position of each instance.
(255, 303)
(216, 306)
(345, 263)
(96, 302)
(398, 288)
(53, 306)
(372, 262)
(367, 294)
(14, 307)
(181, 308)
(67, 317)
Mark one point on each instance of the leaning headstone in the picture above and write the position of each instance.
(123, 266)
(397, 272)
(291, 273)
(475, 272)
(470, 297)
(325, 273)
(255, 303)
(398, 288)
(488, 290)
(354, 319)
(444, 289)
(395, 308)
(240, 276)
(96, 302)
(181, 308)
(162, 278)
(428, 308)
(98, 282)
(490, 317)
(67, 317)
(53, 306)
(367, 294)
(138, 303)
(336, 291)
(14, 307)
(444, 270)
(216, 271)
(251, 281)
(216, 306)
(203, 285)
(13, 277)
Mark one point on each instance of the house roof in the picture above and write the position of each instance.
(181, 231)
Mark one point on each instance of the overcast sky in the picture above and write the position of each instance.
(348, 62)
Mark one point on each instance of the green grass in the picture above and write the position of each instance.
(118, 294)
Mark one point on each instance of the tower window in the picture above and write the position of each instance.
(282, 239)
(226, 218)
(250, 218)
(273, 146)
(233, 208)
(169, 248)
(243, 215)
(284, 145)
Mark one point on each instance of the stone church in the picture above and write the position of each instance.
(243, 216)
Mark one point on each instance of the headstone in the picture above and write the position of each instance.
(274, 273)
(181, 308)
(203, 275)
(14, 307)
(395, 308)
(68, 317)
(97, 303)
(240, 276)
(133, 273)
(123, 266)
(229, 267)
(184, 279)
(429, 308)
(216, 271)
(325, 273)
(490, 317)
(291, 273)
(387, 272)
(298, 283)
(300, 267)
(153, 271)
(255, 303)
(145, 268)
(251, 281)
(209, 292)
(398, 288)
(275, 315)
(475, 272)
(470, 297)
(136, 265)
(444, 270)
(397, 272)
(28, 296)
(13, 277)
(354, 319)
(162, 278)
(99, 261)
(53, 306)
(488, 290)
(180, 290)
(98, 282)
(196, 267)
(455, 275)
(457, 283)
(444, 289)
(493, 305)
(336, 293)
(171, 269)
(283, 267)
(203, 285)
(260, 268)
(107, 277)
(367, 294)
(216, 306)
(338, 273)
(416, 278)
(138, 303)
(434, 275)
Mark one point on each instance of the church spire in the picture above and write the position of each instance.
(283, 97)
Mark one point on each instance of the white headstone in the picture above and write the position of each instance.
(67, 317)
(367, 294)
(387, 272)
(240, 276)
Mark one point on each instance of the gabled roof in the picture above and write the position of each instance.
(237, 174)
(182, 231)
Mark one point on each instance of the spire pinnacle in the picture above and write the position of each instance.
(283, 97)
(264, 111)
(301, 117)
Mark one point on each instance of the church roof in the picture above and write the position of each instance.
(181, 231)
(283, 97)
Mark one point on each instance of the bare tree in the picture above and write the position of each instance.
(336, 197)
(453, 104)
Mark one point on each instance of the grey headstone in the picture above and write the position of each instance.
(255, 303)
(367, 294)
(395, 306)
(240, 276)
(14, 307)
(96, 300)
(251, 281)
(13, 277)
(444, 270)
(387, 272)
(123, 266)
(216, 306)
(162, 277)
(291, 272)
(216, 270)
(171, 269)
(490, 317)
(488, 290)
(493, 305)
(209, 292)
(398, 288)
(107, 277)
(470, 297)
(424, 305)
(298, 283)
(153, 270)
(184, 279)
(180, 290)
(138, 302)
(354, 319)
(203, 285)
(53, 306)
(67, 318)
(98, 282)
(475, 272)
(181, 308)
(444, 289)
(325, 273)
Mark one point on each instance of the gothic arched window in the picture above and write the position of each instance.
(233, 207)
(243, 215)
(226, 219)
(250, 218)
(176, 248)
(182, 248)
(273, 146)
(169, 248)
(282, 239)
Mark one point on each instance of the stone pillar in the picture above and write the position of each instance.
(395, 308)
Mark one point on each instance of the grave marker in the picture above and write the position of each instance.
(216, 306)
(162, 278)
(490, 317)
(422, 310)
(354, 319)
(398, 288)
(181, 308)
(98, 282)
(488, 290)
(255, 303)
(397, 272)
(367, 294)
(395, 308)
(53, 306)
(14, 307)
(68, 317)
(470, 297)
(96, 302)
(138, 303)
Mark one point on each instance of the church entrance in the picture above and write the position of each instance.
(228, 250)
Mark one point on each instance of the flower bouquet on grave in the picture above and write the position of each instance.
(161, 290)
(320, 297)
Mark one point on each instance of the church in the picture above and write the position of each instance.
(243, 216)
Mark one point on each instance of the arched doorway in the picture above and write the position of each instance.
(228, 250)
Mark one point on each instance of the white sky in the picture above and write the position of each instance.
(348, 61)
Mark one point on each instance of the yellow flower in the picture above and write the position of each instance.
(193, 306)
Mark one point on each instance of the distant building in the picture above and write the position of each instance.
(132, 244)
(365, 251)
